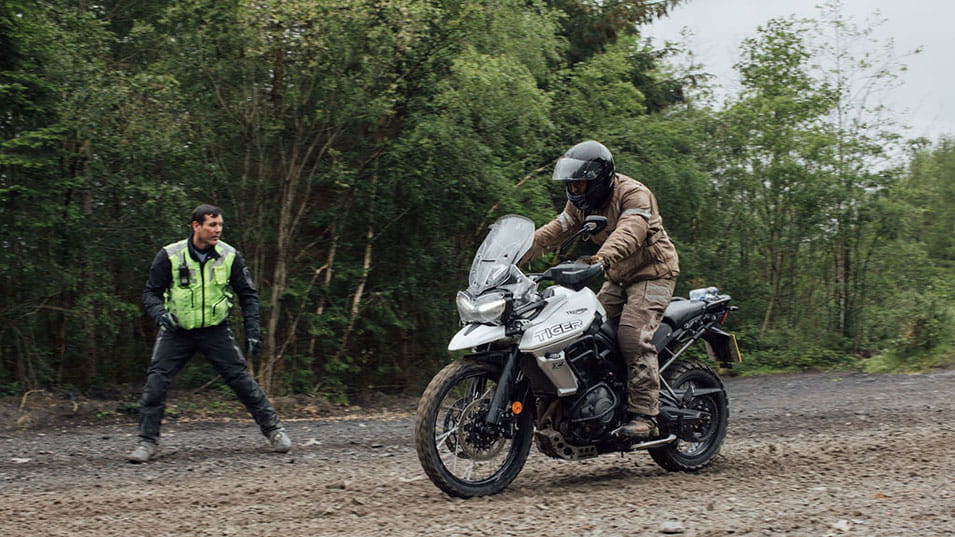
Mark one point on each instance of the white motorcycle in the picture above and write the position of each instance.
(544, 364)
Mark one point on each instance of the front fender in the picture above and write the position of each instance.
(475, 334)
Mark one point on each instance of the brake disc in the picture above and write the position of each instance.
(478, 439)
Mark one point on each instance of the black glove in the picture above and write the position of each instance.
(168, 321)
(252, 346)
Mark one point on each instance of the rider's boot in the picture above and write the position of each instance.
(639, 426)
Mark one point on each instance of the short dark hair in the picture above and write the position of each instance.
(200, 212)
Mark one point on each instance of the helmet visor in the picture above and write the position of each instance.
(571, 169)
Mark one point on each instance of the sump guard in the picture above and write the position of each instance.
(721, 346)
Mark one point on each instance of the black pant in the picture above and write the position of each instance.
(173, 349)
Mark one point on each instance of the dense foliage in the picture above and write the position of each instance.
(360, 148)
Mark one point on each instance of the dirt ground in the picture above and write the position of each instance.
(806, 455)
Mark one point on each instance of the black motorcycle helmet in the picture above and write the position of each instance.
(587, 161)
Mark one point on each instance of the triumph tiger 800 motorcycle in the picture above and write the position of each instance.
(544, 365)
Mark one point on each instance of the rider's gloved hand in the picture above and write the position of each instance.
(593, 260)
(252, 346)
(168, 321)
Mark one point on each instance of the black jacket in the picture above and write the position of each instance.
(240, 279)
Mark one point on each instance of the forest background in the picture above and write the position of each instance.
(360, 149)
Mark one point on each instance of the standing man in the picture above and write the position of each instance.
(639, 261)
(189, 292)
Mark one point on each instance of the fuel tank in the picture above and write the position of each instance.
(567, 315)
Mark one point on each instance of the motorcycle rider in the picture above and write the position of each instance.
(639, 261)
(188, 293)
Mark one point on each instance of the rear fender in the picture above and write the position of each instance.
(721, 346)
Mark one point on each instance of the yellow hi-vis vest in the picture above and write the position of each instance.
(207, 297)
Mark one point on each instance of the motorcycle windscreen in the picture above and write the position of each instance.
(507, 241)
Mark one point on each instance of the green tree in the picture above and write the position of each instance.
(359, 150)
(589, 26)
(85, 136)
(912, 273)
(308, 108)
(930, 189)
(772, 178)
(860, 71)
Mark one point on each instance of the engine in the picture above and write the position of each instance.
(582, 389)
(595, 408)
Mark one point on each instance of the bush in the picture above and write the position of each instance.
(895, 361)
(785, 351)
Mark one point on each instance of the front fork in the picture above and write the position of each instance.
(505, 388)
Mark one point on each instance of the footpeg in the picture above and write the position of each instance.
(654, 443)
(645, 445)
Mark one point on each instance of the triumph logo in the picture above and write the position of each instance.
(557, 330)
(576, 312)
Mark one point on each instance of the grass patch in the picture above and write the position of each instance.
(897, 361)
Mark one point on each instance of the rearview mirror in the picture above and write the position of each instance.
(594, 223)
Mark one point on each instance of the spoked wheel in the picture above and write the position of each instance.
(461, 453)
(698, 447)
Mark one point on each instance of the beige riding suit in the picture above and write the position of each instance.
(643, 266)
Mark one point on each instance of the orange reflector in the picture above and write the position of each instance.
(517, 407)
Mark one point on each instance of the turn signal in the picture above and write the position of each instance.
(517, 407)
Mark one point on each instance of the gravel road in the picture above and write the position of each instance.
(806, 455)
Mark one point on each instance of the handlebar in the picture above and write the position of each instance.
(531, 306)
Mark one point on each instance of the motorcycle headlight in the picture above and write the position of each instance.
(483, 309)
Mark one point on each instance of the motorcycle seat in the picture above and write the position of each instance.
(679, 312)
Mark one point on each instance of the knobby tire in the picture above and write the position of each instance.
(670, 456)
(426, 425)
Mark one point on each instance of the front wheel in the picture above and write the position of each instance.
(706, 437)
(461, 453)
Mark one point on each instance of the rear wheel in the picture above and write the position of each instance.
(705, 439)
(461, 453)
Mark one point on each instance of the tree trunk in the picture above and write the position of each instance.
(366, 269)
(322, 301)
